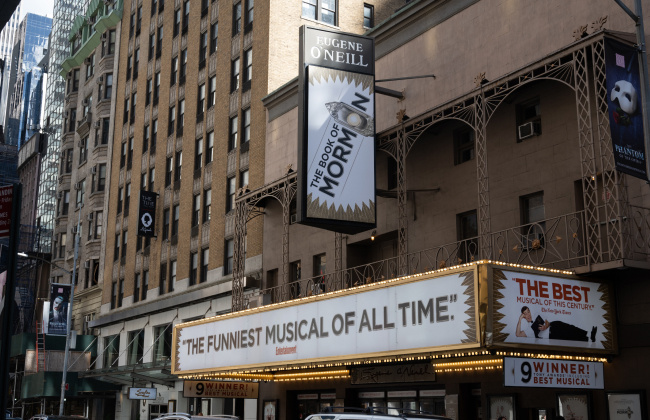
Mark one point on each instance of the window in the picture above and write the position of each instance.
(154, 5)
(136, 63)
(152, 45)
(137, 286)
(529, 119)
(152, 176)
(248, 69)
(209, 147)
(213, 91)
(198, 155)
(62, 242)
(105, 130)
(81, 188)
(101, 177)
(68, 160)
(87, 106)
(319, 269)
(120, 199)
(174, 71)
(66, 203)
(532, 217)
(232, 139)
(207, 203)
(176, 218)
(75, 80)
(196, 209)
(186, 16)
(108, 89)
(126, 110)
(200, 103)
(194, 268)
(132, 25)
(73, 119)
(463, 145)
(99, 224)
(160, 39)
(467, 228)
(162, 346)
(143, 182)
(83, 150)
(214, 33)
(181, 117)
(162, 285)
(154, 136)
(129, 67)
(125, 236)
(248, 16)
(166, 220)
(204, 7)
(145, 138)
(145, 284)
(230, 194)
(236, 19)
(234, 79)
(172, 275)
(205, 259)
(136, 347)
(243, 178)
(156, 88)
(129, 156)
(161, 5)
(246, 126)
(229, 252)
(127, 198)
(172, 120)
(90, 66)
(177, 22)
(134, 99)
(111, 42)
(183, 71)
(138, 25)
(169, 167)
(116, 250)
(294, 277)
(368, 15)
(111, 343)
(123, 155)
(322, 10)
(179, 165)
(203, 49)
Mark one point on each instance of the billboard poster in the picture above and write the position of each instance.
(552, 373)
(220, 389)
(403, 317)
(147, 214)
(6, 199)
(56, 315)
(336, 148)
(624, 107)
(539, 310)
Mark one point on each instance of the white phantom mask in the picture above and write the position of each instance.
(625, 96)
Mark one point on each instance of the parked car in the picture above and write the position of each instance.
(372, 413)
(186, 416)
(56, 417)
(8, 416)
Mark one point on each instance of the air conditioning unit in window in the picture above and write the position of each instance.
(84, 102)
(93, 170)
(91, 216)
(87, 60)
(98, 124)
(74, 230)
(529, 129)
(87, 264)
(255, 301)
(77, 186)
(100, 80)
(104, 35)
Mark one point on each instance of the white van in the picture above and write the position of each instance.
(371, 413)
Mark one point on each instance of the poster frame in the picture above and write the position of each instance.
(564, 395)
(274, 404)
(639, 393)
(491, 399)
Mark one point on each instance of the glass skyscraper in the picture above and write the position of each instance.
(30, 46)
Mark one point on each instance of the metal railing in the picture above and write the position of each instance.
(557, 242)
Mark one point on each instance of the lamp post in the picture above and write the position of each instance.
(68, 328)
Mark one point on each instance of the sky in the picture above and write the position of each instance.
(39, 7)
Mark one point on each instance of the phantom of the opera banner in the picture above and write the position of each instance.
(336, 148)
(538, 310)
(624, 107)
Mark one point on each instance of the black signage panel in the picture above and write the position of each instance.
(147, 214)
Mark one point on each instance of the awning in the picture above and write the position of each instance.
(48, 384)
(143, 373)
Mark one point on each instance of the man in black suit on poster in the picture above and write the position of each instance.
(555, 330)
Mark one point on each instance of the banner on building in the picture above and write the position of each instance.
(55, 312)
(552, 373)
(6, 200)
(216, 389)
(147, 214)
(408, 316)
(143, 393)
(533, 309)
(336, 147)
(624, 107)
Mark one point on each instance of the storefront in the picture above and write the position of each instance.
(450, 341)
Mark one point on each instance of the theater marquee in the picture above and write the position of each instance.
(400, 317)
